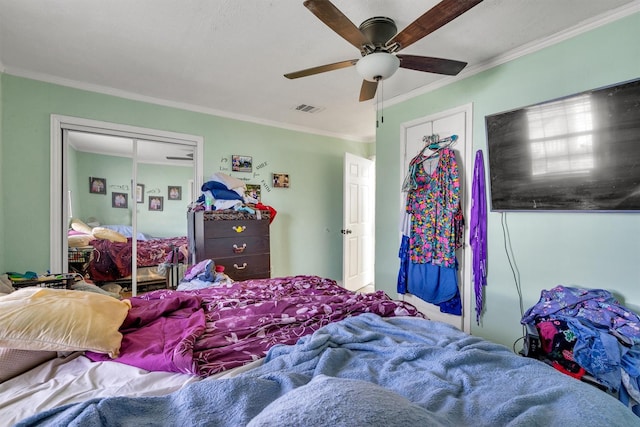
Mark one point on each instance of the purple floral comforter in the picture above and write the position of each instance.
(112, 260)
(210, 330)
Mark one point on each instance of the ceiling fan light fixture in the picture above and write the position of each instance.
(377, 66)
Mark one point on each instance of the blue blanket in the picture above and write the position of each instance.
(367, 370)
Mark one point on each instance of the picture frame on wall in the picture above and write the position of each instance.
(253, 192)
(119, 200)
(156, 203)
(241, 163)
(174, 192)
(281, 180)
(139, 193)
(97, 185)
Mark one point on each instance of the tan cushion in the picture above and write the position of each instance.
(108, 234)
(61, 320)
(79, 240)
(80, 226)
(14, 362)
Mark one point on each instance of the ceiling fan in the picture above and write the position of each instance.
(188, 156)
(378, 43)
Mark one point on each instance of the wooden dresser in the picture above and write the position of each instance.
(239, 241)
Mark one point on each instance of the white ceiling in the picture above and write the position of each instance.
(151, 152)
(228, 57)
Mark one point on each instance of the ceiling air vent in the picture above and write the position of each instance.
(308, 108)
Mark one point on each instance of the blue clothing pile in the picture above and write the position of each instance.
(202, 275)
(607, 343)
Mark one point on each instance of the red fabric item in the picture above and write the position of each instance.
(269, 208)
(581, 373)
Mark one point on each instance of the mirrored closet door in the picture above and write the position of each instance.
(122, 196)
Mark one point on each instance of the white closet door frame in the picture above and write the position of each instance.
(58, 166)
(465, 162)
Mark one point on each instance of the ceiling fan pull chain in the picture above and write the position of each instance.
(382, 101)
(377, 109)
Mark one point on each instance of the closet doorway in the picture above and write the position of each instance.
(456, 121)
(126, 155)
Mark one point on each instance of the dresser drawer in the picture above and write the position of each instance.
(234, 246)
(246, 267)
(238, 241)
(230, 228)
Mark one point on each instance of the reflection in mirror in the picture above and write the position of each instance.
(152, 207)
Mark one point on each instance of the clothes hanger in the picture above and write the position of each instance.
(432, 142)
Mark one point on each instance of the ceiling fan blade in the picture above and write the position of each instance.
(179, 158)
(321, 69)
(431, 65)
(368, 90)
(431, 20)
(337, 21)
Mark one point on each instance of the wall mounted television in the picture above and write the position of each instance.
(576, 153)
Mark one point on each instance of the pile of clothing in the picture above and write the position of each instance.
(203, 275)
(223, 191)
(588, 332)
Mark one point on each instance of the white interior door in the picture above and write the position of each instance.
(452, 122)
(358, 214)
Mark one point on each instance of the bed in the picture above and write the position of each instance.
(104, 254)
(111, 260)
(310, 353)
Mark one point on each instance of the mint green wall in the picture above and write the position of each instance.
(305, 235)
(117, 172)
(581, 249)
(73, 185)
(170, 222)
(2, 204)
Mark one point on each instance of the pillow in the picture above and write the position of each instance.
(220, 192)
(106, 234)
(229, 181)
(79, 240)
(80, 226)
(14, 362)
(61, 320)
(329, 401)
(127, 231)
(213, 185)
(6, 287)
(90, 287)
(226, 195)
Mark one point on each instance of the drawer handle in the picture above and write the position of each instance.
(238, 250)
(239, 228)
(244, 265)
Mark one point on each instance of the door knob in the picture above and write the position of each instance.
(345, 231)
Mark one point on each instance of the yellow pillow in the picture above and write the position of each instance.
(79, 240)
(61, 320)
(108, 234)
(80, 226)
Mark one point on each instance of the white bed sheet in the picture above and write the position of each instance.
(75, 379)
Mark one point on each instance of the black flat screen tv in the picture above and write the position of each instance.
(577, 153)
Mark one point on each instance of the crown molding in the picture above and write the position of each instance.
(583, 27)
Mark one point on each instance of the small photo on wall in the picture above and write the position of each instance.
(119, 200)
(140, 193)
(253, 191)
(174, 192)
(155, 203)
(241, 163)
(281, 180)
(97, 185)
